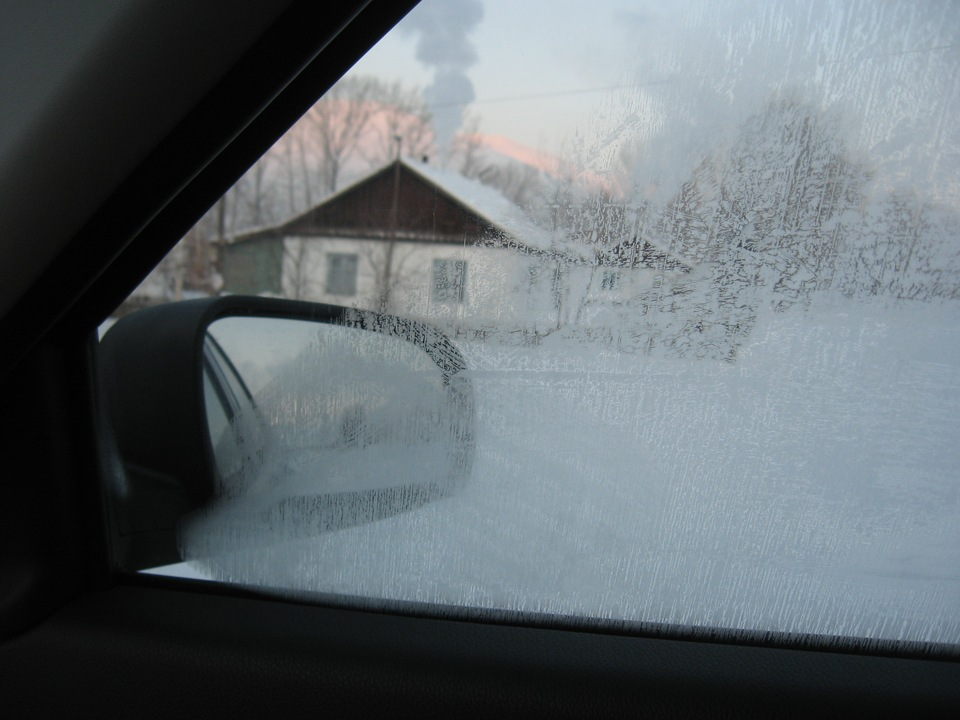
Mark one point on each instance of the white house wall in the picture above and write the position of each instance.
(591, 300)
(506, 291)
(305, 270)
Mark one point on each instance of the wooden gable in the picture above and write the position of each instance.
(424, 212)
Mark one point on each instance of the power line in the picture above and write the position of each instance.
(558, 93)
(628, 86)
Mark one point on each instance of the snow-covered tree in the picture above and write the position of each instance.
(901, 248)
(763, 219)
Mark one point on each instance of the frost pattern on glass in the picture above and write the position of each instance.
(716, 366)
(808, 487)
(329, 426)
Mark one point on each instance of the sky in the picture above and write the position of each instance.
(526, 65)
(653, 87)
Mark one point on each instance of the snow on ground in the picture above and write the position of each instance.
(811, 486)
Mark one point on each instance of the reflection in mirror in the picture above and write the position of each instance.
(316, 427)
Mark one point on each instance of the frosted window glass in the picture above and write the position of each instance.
(713, 328)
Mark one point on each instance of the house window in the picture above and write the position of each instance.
(449, 279)
(341, 274)
(610, 280)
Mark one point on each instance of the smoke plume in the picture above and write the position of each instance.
(443, 46)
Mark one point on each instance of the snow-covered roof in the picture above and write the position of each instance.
(483, 201)
(490, 205)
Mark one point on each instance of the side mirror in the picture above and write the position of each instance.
(244, 421)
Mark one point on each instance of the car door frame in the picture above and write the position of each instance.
(79, 636)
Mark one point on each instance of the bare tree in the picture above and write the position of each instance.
(391, 273)
(517, 182)
(466, 147)
(762, 221)
(337, 123)
(358, 118)
(298, 269)
(398, 112)
(898, 248)
(191, 263)
(352, 127)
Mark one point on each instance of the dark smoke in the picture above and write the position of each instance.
(443, 45)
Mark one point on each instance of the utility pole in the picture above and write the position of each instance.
(392, 230)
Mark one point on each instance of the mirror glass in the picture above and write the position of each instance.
(316, 426)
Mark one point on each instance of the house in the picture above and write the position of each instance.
(413, 240)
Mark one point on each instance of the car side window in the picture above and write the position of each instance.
(701, 262)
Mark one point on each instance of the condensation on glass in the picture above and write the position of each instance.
(714, 338)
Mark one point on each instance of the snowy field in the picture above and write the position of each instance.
(810, 486)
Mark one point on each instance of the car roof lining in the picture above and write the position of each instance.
(92, 76)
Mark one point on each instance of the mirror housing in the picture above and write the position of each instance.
(151, 372)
